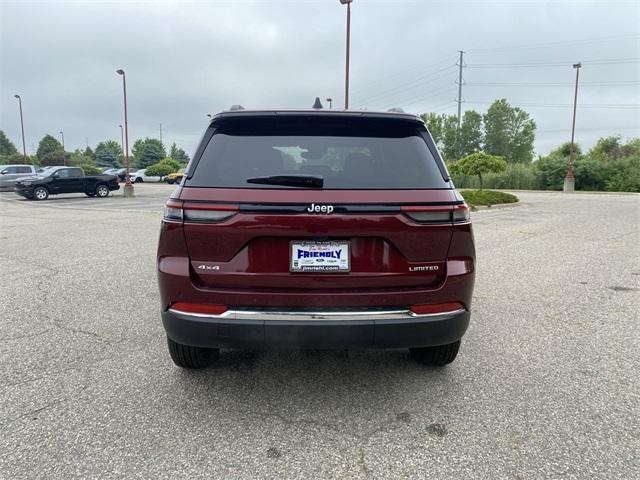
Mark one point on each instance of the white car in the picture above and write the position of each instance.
(141, 176)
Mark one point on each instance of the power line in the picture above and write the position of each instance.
(599, 129)
(621, 106)
(552, 44)
(551, 84)
(610, 61)
(407, 86)
(421, 72)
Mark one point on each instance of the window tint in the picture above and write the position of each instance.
(9, 170)
(349, 153)
(23, 170)
(62, 173)
(75, 172)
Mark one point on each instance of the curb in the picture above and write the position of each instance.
(498, 206)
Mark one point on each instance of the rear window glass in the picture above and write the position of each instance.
(360, 153)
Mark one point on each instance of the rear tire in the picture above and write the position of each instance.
(102, 191)
(170, 181)
(40, 193)
(186, 356)
(90, 194)
(438, 356)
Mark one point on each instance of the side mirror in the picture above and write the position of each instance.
(3, 172)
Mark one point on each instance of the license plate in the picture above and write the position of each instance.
(320, 257)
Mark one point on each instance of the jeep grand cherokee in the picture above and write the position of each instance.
(315, 229)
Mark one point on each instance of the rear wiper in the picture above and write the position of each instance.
(303, 181)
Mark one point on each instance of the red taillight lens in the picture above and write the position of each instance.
(173, 210)
(436, 214)
(202, 308)
(428, 309)
(208, 213)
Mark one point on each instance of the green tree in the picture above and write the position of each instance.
(90, 169)
(6, 146)
(509, 132)
(443, 130)
(77, 158)
(479, 163)
(89, 153)
(108, 154)
(178, 154)
(606, 149)
(470, 135)
(50, 151)
(433, 121)
(147, 152)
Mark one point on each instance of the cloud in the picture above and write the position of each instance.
(186, 59)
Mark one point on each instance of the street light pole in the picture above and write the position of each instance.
(64, 152)
(569, 179)
(128, 186)
(24, 145)
(348, 48)
(160, 134)
(122, 140)
(330, 100)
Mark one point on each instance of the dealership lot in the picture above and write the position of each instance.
(149, 197)
(545, 385)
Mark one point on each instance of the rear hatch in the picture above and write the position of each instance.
(317, 202)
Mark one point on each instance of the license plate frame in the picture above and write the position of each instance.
(327, 263)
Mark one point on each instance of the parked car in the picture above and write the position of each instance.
(10, 173)
(315, 229)
(141, 176)
(175, 177)
(65, 180)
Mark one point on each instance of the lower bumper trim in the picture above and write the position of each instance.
(262, 329)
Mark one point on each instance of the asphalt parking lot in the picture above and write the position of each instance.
(543, 388)
(149, 197)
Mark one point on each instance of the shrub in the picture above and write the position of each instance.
(90, 169)
(625, 176)
(518, 176)
(487, 197)
(163, 168)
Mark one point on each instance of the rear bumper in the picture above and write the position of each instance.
(302, 329)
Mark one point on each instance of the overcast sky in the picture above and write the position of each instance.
(186, 59)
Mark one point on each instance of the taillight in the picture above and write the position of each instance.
(193, 212)
(461, 213)
(199, 308)
(432, 309)
(208, 213)
(173, 211)
(436, 214)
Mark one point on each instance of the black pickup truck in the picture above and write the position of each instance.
(65, 180)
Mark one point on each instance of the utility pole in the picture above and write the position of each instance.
(347, 53)
(460, 64)
(24, 145)
(569, 179)
(161, 134)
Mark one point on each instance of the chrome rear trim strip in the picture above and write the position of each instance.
(316, 315)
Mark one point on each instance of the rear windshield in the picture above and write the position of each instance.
(348, 153)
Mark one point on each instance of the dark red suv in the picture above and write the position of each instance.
(315, 229)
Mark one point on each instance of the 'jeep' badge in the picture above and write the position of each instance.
(327, 209)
